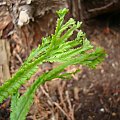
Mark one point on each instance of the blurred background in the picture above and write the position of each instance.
(88, 95)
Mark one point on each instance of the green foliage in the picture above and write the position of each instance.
(54, 48)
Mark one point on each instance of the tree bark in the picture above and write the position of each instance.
(4, 60)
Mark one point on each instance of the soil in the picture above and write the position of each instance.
(102, 100)
(89, 95)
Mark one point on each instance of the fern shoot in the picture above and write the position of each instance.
(54, 48)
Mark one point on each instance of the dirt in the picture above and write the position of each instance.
(102, 100)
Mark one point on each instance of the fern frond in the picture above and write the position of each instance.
(11, 86)
(69, 53)
(26, 100)
(54, 48)
(22, 107)
(14, 101)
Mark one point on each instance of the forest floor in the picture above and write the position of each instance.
(89, 95)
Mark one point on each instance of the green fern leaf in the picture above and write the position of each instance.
(54, 48)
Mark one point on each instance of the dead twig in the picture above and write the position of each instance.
(50, 102)
(71, 108)
(60, 108)
(19, 58)
(101, 8)
(55, 103)
(61, 89)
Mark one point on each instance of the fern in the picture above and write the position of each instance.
(26, 100)
(54, 48)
